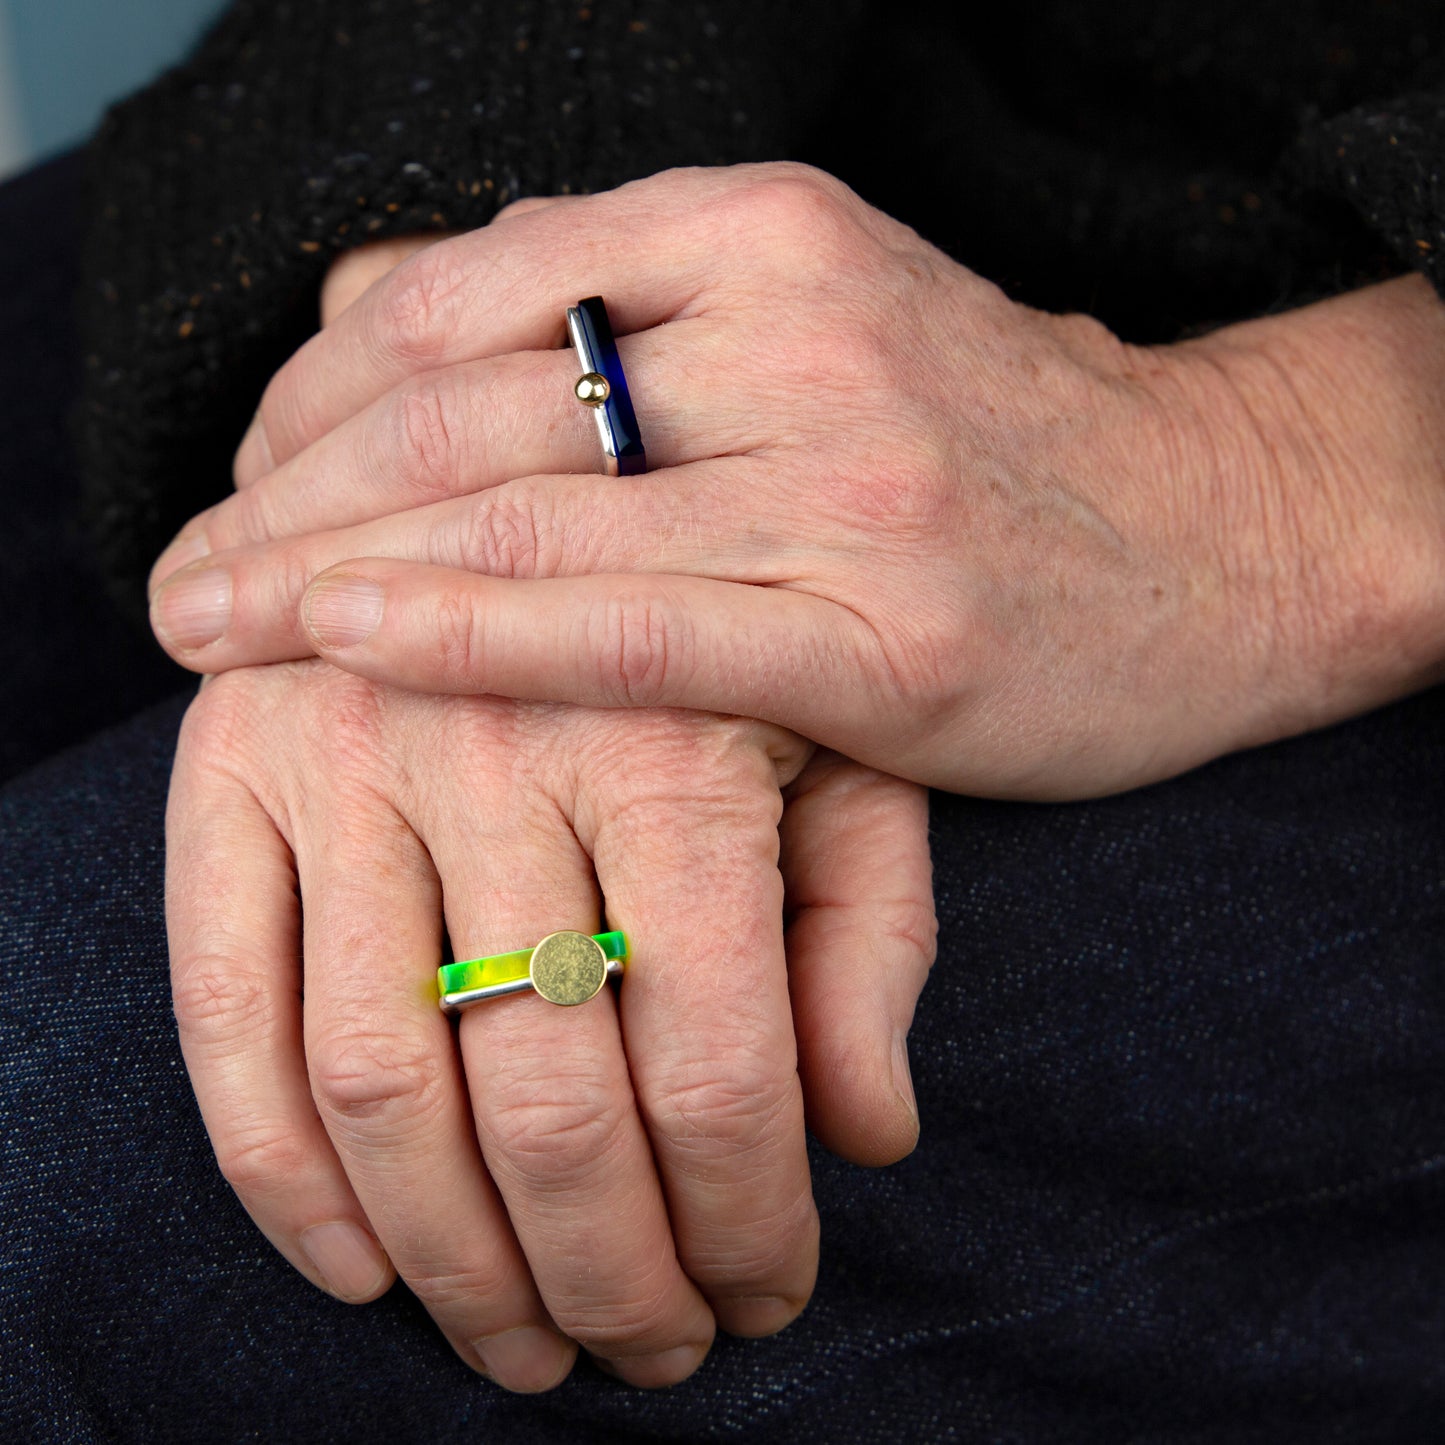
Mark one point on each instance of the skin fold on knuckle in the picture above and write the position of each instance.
(441, 1285)
(374, 1083)
(225, 718)
(641, 647)
(458, 638)
(222, 1005)
(911, 923)
(771, 1253)
(261, 1159)
(508, 531)
(417, 307)
(429, 437)
(721, 1111)
(562, 1135)
(624, 1317)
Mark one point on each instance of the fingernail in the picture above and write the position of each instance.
(181, 553)
(342, 611)
(347, 1258)
(902, 1075)
(194, 608)
(655, 1372)
(528, 1360)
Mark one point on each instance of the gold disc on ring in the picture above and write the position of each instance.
(568, 968)
(592, 389)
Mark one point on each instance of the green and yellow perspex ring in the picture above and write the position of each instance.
(565, 968)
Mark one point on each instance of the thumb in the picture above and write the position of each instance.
(859, 890)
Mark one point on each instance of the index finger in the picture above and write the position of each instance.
(500, 289)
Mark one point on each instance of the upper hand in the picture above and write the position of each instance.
(982, 547)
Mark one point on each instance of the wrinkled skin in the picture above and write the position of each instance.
(982, 547)
(632, 1172)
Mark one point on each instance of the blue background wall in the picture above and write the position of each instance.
(62, 61)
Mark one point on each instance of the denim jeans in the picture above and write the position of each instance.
(1181, 1071)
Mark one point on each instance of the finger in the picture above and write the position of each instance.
(234, 933)
(528, 203)
(479, 295)
(352, 274)
(555, 1110)
(772, 653)
(389, 1088)
(775, 653)
(471, 427)
(687, 857)
(533, 527)
(856, 867)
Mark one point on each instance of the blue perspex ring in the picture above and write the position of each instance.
(603, 387)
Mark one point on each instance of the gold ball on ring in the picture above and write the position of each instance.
(592, 389)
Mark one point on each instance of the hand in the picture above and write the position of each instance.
(623, 1174)
(987, 548)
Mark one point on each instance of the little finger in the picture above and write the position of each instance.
(688, 861)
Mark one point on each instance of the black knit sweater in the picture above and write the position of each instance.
(1162, 164)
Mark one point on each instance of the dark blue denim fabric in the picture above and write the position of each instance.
(69, 662)
(1181, 1068)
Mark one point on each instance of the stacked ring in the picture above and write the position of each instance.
(565, 968)
(603, 387)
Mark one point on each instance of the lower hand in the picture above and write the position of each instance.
(983, 547)
(628, 1174)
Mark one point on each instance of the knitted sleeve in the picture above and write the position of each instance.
(301, 127)
(1387, 162)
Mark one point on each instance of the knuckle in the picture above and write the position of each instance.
(562, 1138)
(223, 719)
(904, 501)
(641, 647)
(219, 1001)
(802, 208)
(354, 713)
(415, 308)
(430, 436)
(362, 1076)
(261, 1158)
(459, 637)
(449, 1289)
(758, 1250)
(720, 1113)
(509, 535)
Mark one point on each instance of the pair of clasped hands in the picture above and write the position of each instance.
(896, 531)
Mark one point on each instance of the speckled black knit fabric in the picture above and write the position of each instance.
(1162, 165)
